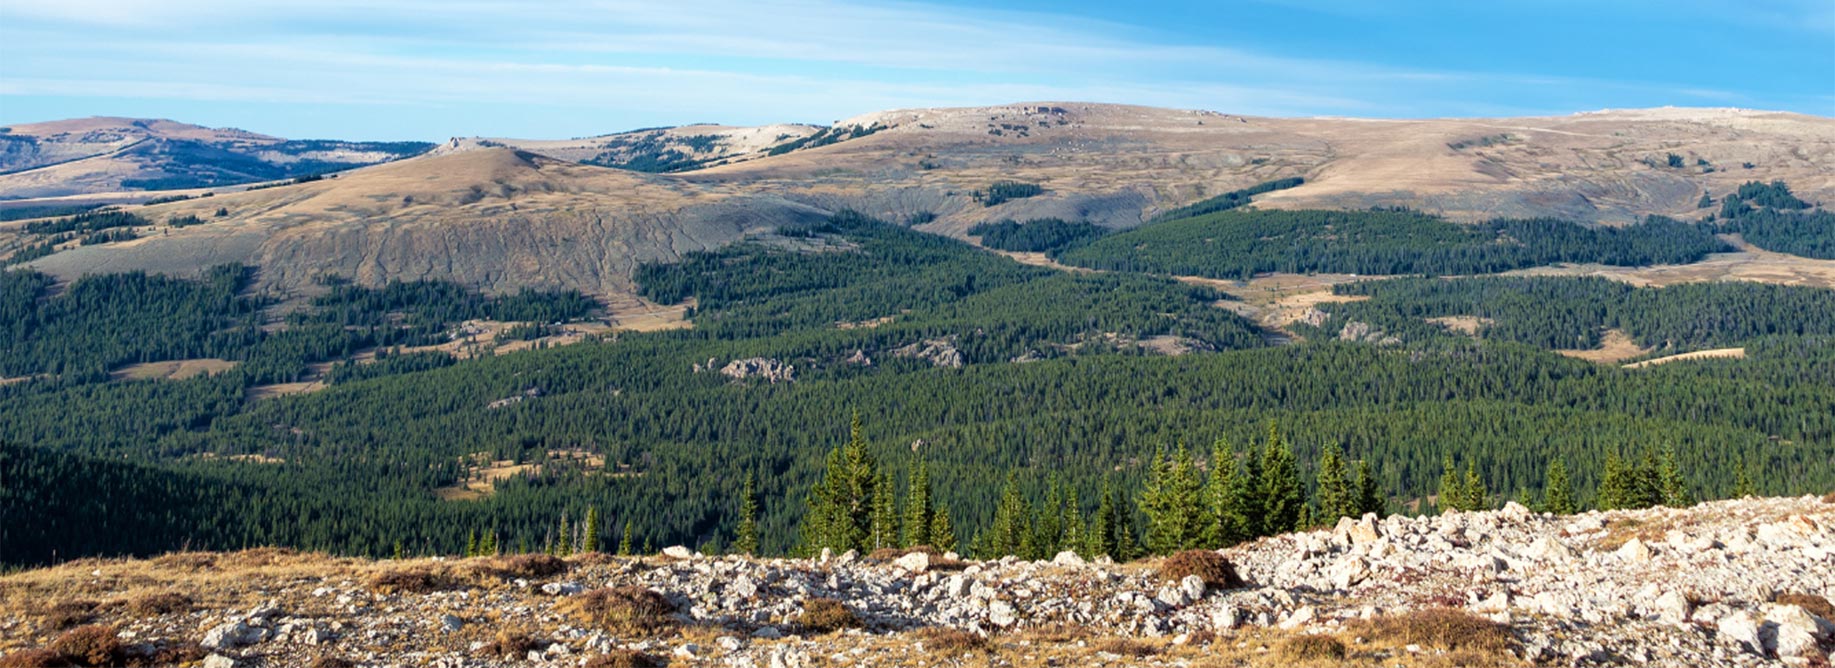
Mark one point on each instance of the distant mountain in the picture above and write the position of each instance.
(103, 154)
(502, 213)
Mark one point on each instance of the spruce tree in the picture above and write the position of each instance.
(918, 510)
(942, 532)
(1335, 496)
(590, 543)
(1047, 525)
(1072, 521)
(1473, 495)
(1649, 480)
(624, 544)
(1282, 493)
(1369, 495)
(1557, 496)
(1742, 484)
(745, 536)
(884, 528)
(1219, 496)
(563, 544)
(1452, 490)
(471, 544)
(1100, 538)
(1616, 487)
(1008, 534)
(840, 506)
(1246, 497)
(1674, 491)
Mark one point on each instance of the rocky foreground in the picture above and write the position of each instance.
(1731, 583)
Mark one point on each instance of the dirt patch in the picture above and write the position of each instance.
(1462, 324)
(1614, 346)
(173, 369)
(484, 473)
(1717, 353)
(1748, 263)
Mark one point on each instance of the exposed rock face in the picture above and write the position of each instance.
(1700, 596)
(759, 367)
(938, 352)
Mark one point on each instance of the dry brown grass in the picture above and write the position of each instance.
(92, 645)
(823, 615)
(410, 580)
(179, 653)
(331, 662)
(37, 657)
(158, 603)
(624, 658)
(1129, 647)
(1815, 605)
(511, 644)
(521, 566)
(59, 615)
(622, 609)
(1214, 568)
(1311, 649)
(950, 642)
(1445, 629)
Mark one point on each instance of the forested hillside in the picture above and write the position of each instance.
(1011, 386)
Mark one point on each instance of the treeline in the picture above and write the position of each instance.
(1229, 200)
(88, 222)
(1573, 312)
(1241, 244)
(1783, 224)
(1035, 236)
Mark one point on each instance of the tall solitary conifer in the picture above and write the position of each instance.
(1282, 494)
(1557, 495)
(918, 510)
(745, 537)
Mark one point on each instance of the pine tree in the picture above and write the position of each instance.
(1100, 538)
(918, 510)
(1219, 495)
(1246, 497)
(1008, 534)
(1742, 484)
(1452, 489)
(1649, 480)
(624, 544)
(885, 513)
(1557, 496)
(1369, 495)
(1669, 480)
(1335, 497)
(1072, 521)
(942, 533)
(488, 546)
(1282, 493)
(840, 506)
(563, 546)
(1173, 500)
(1047, 525)
(1473, 495)
(1616, 487)
(745, 536)
(398, 551)
(590, 542)
(471, 544)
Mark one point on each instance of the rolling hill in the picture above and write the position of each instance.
(501, 214)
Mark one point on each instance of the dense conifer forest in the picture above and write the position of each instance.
(1053, 425)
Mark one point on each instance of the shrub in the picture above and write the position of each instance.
(510, 645)
(524, 566)
(1310, 648)
(92, 645)
(65, 614)
(1127, 647)
(1442, 628)
(826, 614)
(1214, 568)
(623, 609)
(166, 602)
(331, 662)
(951, 642)
(168, 654)
(417, 581)
(623, 658)
(33, 658)
(1811, 603)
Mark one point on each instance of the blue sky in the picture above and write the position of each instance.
(432, 69)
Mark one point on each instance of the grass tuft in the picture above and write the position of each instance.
(622, 609)
(823, 615)
(1445, 629)
(1310, 648)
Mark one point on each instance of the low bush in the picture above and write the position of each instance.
(622, 609)
(1440, 628)
(1306, 648)
(951, 642)
(411, 581)
(523, 566)
(823, 615)
(92, 645)
(1811, 603)
(1214, 568)
(37, 657)
(624, 658)
(510, 644)
(161, 603)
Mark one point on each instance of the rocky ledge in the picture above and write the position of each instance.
(1731, 583)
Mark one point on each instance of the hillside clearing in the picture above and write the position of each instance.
(1717, 353)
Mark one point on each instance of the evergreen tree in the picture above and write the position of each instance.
(1100, 538)
(884, 532)
(1369, 495)
(1047, 525)
(1742, 484)
(918, 510)
(563, 544)
(1473, 495)
(1674, 491)
(1246, 497)
(488, 546)
(624, 544)
(745, 537)
(840, 507)
(942, 533)
(471, 544)
(1649, 480)
(1072, 521)
(1227, 523)
(1173, 499)
(1618, 487)
(590, 543)
(1335, 496)
(1008, 534)
(1557, 496)
(1452, 490)
(1282, 493)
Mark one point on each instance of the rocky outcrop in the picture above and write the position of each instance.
(763, 368)
(1733, 583)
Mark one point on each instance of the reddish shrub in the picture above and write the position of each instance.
(1214, 568)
